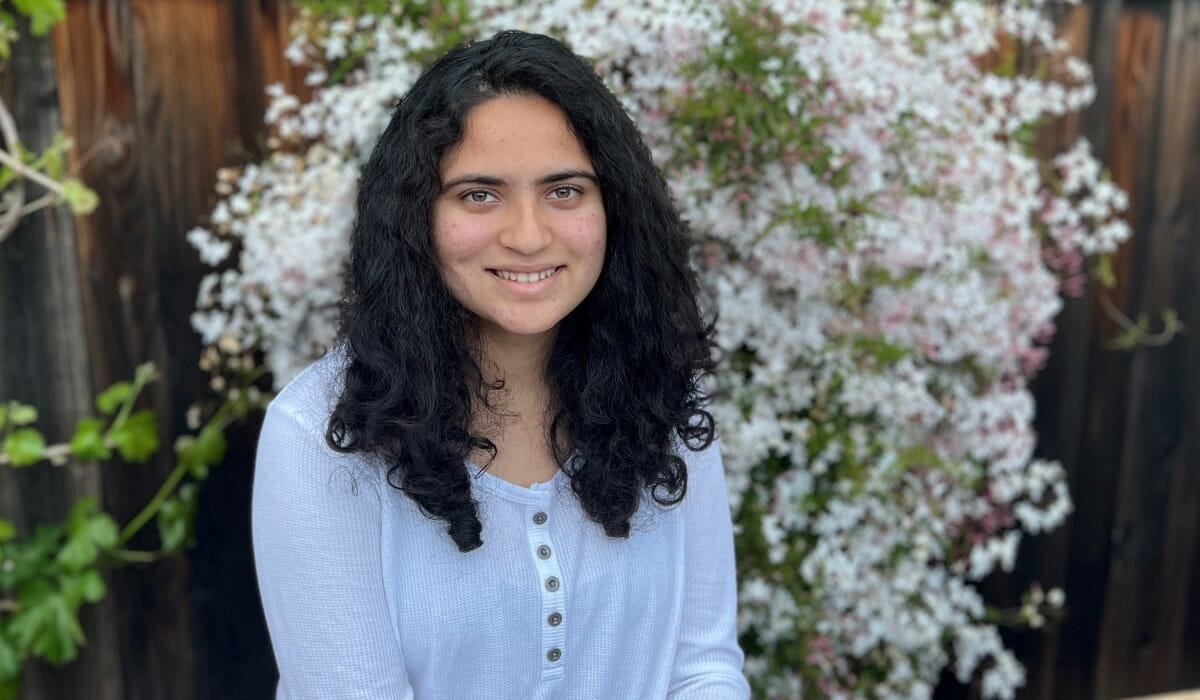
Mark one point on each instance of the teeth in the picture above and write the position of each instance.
(525, 277)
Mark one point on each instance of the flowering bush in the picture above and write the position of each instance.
(885, 252)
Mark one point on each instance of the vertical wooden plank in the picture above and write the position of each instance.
(1139, 636)
(165, 107)
(1073, 424)
(1160, 477)
(166, 92)
(272, 40)
(235, 659)
(1177, 619)
(1060, 388)
(41, 329)
(99, 51)
(1189, 648)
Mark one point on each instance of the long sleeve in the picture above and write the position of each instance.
(708, 660)
(317, 531)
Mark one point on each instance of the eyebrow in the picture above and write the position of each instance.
(493, 181)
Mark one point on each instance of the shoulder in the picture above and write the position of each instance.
(707, 490)
(706, 459)
(292, 443)
(704, 464)
(309, 398)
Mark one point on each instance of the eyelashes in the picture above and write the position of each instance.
(556, 194)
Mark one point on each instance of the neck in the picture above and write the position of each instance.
(520, 361)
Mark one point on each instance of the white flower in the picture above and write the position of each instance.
(883, 294)
(212, 249)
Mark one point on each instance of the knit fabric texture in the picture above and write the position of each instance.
(366, 597)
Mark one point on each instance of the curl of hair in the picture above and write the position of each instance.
(626, 364)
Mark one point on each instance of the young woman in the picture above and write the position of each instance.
(502, 482)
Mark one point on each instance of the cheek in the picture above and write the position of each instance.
(589, 236)
(458, 241)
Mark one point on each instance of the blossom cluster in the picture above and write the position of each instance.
(886, 258)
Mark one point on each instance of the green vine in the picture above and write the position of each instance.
(19, 165)
(48, 575)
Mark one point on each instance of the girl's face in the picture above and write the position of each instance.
(519, 224)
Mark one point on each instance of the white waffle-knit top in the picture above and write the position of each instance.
(366, 597)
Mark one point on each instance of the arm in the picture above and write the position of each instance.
(316, 531)
(708, 660)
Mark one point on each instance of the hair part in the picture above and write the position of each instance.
(626, 364)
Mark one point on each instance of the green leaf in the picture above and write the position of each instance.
(21, 414)
(43, 14)
(206, 450)
(32, 556)
(52, 163)
(24, 447)
(111, 398)
(79, 197)
(7, 530)
(88, 531)
(88, 441)
(137, 437)
(92, 586)
(186, 453)
(172, 529)
(176, 517)
(47, 626)
(10, 664)
(84, 586)
(185, 449)
(80, 512)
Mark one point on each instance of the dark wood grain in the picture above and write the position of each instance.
(1132, 159)
(1160, 470)
(1061, 387)
(159, 94)
(42, 343)
(1075, 417)
(1124, 424)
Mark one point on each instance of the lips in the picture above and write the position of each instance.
(526, 277)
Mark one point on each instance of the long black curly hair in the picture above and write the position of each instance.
(626, 365)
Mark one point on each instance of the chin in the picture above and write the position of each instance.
(522, 330)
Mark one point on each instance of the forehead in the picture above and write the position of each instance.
(516, 135)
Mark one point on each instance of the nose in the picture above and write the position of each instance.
(527, 231)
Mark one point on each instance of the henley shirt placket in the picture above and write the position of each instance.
(550, 582)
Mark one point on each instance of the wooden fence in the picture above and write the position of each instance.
(1126, 425)
(158, 95)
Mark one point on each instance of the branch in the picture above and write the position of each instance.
(8, 129)
(25, 171)
(56, 454)
(39, 203)
(1135, 334)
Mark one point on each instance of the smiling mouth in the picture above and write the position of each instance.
(526, 277)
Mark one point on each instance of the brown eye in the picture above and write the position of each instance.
(479, 197)
(565, 192)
